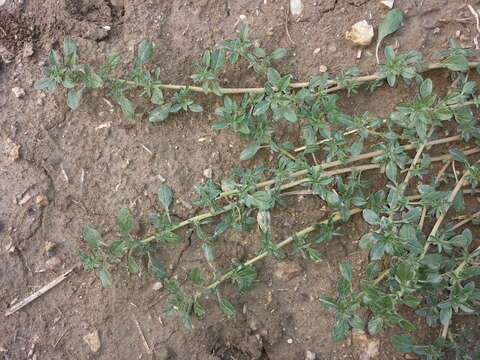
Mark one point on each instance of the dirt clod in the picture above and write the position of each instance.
(41, 200)
(18, 92)
(50, 248)
(53, 263)
(157, 286)
(93, 341)
(287, 270)
(361, 33)
(368, 346)
(11, 150)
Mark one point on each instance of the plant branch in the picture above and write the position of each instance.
(333, 83)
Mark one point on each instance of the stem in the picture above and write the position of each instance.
(299, 85)
(288, 186)
(417, 156)
(439, 221)
(338, 163)
(336, 217)
(466, 221)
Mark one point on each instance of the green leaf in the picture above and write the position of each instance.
(209, 253)
(198, 309)
(260, 199)
(391, 171)
(116, 248)
(445, 314)
(156, 268)
(73, 98)
(390, 23)
(165, 195)
(289, 114)
(195, 108)
(371, 217)
(69, 52)
(227, 307)
(133, 266)
(159, 114)
(403, 343)
(46, 83)
(104, 276)
(145, 50)
(250, 151)
(459, 156)
(92, 237)
(346, 270)
(278, 54)
(157, 97)
(340, 330)
(456, 63)
(53, 58)
(426, 88)
(375, 325)
(196, 276)
(273, 76)
(124, 220)
(126, 105)
(94, 81)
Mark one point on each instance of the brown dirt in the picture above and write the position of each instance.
(58, 144)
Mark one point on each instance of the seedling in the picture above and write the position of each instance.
(427, 271)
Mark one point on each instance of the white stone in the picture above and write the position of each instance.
(361, 33)
(296, 7)
(18, 92)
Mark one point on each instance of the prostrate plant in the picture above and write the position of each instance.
(430, 272)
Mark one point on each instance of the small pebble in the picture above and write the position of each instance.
(18, 92)
(157, 286)
(40, 102)
(50, 248)
(289, 341)
(53, 263)
(93, 341)
(242, 17)
(41, 200)
(310, 355)
(316, 51)
(207, 173)
(322, 68)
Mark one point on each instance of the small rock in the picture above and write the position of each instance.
(5, 55)
(18, 92)
(243, 17)
(161, 354)
(157, 286)
(310, 355)
(27, 50)
(361, 33)
(41, 200)
(287, 270)
(289, 341)
(118, 3)
(97, 34)
(53, 263)
(2, 2)
(316, 51)
(40, 102)
(93, 341)
(369, 347)
(322, 68)
(50, 248)
(12, 150)
(332, 48)
(207, 173)
(296, 7)
(387, 3)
